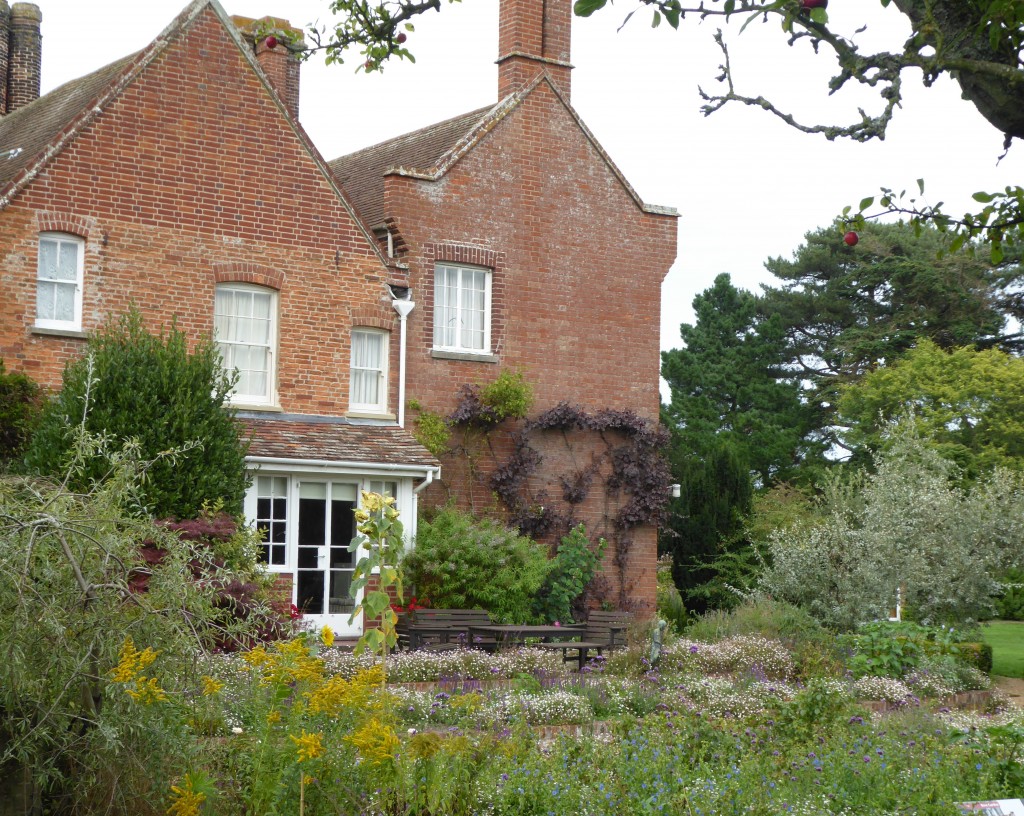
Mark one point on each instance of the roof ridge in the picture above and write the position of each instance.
(418, 132)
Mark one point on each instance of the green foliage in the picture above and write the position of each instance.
(68, 605)
(133, 385)
(881, 650)
(905, 526)
(509, 396)
(1010, 602)
(669, 603)
(20, 404)
(430, 430)
(381, 541)
(572, 569)
(461, 562)
(705, 523)
(730, 386)
(847, 310)
(969, 403)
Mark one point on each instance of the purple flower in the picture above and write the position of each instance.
(867, 758)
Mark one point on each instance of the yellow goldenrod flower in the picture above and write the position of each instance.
(131, 662)
(327, 636)
(310, 746)
(187, 800)
(274, 717)
(376, 742)
(147, 691)
(256, 657)
(211, 686)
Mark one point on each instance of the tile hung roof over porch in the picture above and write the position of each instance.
(333, 440)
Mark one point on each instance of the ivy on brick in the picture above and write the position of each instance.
(636, 482)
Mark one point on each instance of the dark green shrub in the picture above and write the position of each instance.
(572, 569)
(133, 385)
(21, 402)
(461, 562)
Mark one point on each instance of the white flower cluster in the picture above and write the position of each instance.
(428, 666)
(758, 657)
(555, 707)
(720, 698)
(883, 688)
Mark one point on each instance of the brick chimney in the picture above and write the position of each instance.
(281, 63)
(21, 54)
(533, 36)
(5, 52)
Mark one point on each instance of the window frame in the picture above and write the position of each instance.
(460, 309)
(383, 338)
(269, 396)
(75, 324)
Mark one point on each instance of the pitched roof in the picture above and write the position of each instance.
(428, 153)
(29, 130)
(36, 133)
(361, 174)
(334, 440)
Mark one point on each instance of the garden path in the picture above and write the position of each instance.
(1014, 688)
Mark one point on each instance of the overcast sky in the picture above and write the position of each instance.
(747, 187)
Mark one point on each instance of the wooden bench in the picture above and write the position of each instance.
(441, 629)
(604, 630)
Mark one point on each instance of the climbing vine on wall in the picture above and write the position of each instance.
(610, 459)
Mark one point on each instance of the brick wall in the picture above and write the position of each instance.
(576, 293)
(192, 177)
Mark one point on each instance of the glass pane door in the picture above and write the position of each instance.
(323, 574)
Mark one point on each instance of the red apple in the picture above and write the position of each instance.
(851, 238)
(401, 38)
(807, 5)
(270, 42)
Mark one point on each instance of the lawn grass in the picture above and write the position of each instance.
(1007, 641)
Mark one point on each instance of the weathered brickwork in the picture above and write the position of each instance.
(577, 270)
(173, 199)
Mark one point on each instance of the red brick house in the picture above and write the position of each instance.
(527, 251)
(179, 180)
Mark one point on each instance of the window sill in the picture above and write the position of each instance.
(248, 406)
(468, 356)
(369, 415)
(81, 335)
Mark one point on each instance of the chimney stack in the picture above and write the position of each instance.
(280, 63)
(21, 54)
(533, 36)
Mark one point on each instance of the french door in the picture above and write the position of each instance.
(306, 525)
(323, 564)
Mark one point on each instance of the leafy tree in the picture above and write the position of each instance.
(969, 403)
(847, 310)
(730, 385)
(905, 526)
(978, 43)
(78, 635)
(133, 385)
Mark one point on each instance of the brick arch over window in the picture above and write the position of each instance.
(449, 252)
(375, 317)
(68, 223)
(243, 272)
